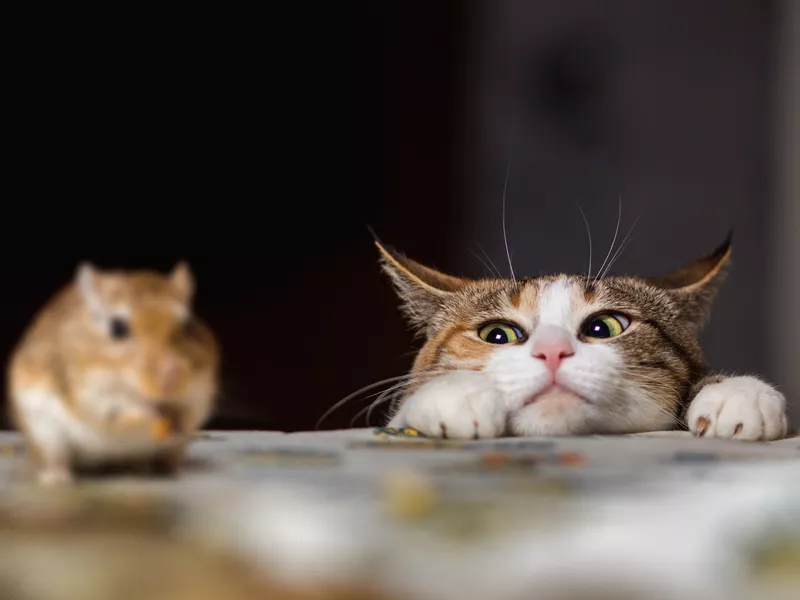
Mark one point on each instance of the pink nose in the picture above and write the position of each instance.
(552, 345)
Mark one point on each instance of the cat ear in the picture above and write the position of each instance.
(423, 290)
(695, 285)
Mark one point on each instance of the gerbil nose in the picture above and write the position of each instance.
(552, 344)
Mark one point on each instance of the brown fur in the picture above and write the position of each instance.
(660, 348)
(65, 349)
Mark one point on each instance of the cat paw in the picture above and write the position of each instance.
(458, 405)
(742, 408)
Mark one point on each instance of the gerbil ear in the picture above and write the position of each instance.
(422, 290)
(86, 280)
(182, 279)
(696, 284)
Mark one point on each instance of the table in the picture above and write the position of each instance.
(363, 513)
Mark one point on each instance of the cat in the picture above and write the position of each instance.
(571, 355)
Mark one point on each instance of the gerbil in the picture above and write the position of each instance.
(114, 369)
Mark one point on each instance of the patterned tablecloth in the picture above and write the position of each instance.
(370, 514)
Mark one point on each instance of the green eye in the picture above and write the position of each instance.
(500, 333)
(604, 326)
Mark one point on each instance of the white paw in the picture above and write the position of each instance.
(461, 404)
(133, 421)
(129, 416)
(55, 477)
(743, 408)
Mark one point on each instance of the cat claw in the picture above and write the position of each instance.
(742, 408)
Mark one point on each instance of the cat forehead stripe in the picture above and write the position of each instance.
(555, 302)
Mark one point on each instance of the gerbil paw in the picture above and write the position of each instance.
(460, 405)
(742, 408)
(132, 418)
(129, 417)
(55, 476)
(161, 428)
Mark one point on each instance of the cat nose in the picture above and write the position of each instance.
(552, 344)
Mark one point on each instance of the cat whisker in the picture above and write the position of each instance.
(653, 408)
(622, 246)
(673, 416)
(397, 388)
(382, 397)
(394, 405)
(486, 265)
(355, 394)
(641, 377)
(505, 238)
(642, 373)
(616, 233)
(617, 254)
(659, 385)
(491, 262)
(589, 234)
(401, 385)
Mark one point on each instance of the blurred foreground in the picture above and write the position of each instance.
(355, 514)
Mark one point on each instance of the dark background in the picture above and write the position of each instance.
(261, 146)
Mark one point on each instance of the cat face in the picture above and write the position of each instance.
(567, 354)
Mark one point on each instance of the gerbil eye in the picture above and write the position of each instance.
(119, 328)
(604, 326)
(500, 333)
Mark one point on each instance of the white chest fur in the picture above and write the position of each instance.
(57, 431)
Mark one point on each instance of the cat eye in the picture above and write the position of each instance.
(607, 325)
(500, 333)
(119, 328)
